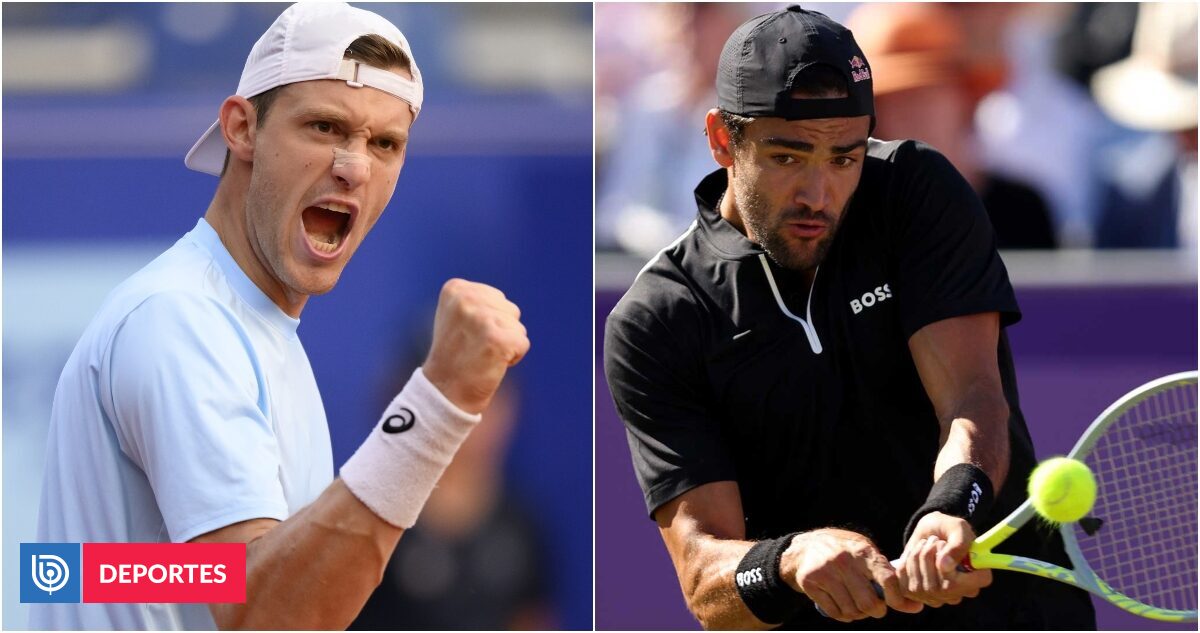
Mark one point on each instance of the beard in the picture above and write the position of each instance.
(767, 226)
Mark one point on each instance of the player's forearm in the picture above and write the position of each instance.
(314, 570)
(704, 530)
(706, 570)
(976, 432)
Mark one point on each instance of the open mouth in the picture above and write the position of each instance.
(326, 225)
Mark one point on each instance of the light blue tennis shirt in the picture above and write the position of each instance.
(188, 405)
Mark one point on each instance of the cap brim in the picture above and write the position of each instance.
(208, 154)
(1141, 95)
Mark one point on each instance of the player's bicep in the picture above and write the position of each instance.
(227, 615)
(956, 360)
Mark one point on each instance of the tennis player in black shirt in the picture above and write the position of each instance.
(815, 378)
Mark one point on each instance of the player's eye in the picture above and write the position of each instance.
(324, 127)
(783, 159)
(386, 144)
(843, 161)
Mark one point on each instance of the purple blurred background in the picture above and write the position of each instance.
(1077, 349)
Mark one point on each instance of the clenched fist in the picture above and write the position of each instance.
(477, 336)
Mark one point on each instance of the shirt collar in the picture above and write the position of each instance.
(722, 235)
(206, 237)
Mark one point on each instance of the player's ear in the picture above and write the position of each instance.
(238, 126)
(718, 138)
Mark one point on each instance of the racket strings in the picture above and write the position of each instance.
(1145, 466)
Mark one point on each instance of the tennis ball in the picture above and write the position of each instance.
(1062, 489)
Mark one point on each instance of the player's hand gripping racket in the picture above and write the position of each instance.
(1137, 547)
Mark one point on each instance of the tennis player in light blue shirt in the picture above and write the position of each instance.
(188, 410)
(188, 405)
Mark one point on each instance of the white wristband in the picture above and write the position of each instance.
(396, 468)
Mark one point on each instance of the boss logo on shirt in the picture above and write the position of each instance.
(400, 422)
(749, 577)
(881, 294)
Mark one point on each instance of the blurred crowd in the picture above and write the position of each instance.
(1076, 123)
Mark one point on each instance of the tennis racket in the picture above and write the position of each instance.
(1137, 547)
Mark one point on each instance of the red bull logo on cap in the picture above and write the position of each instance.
(859, 70)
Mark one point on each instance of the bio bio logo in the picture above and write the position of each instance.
(50, 572)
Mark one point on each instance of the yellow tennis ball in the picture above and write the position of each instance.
(1062, 489)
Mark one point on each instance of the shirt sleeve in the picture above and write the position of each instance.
(943, 244)
(674, 434)
(187, 401)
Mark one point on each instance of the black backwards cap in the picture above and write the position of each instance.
(760, 61)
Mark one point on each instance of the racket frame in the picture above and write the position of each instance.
(982, 556)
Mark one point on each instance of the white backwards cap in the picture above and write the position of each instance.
(306, 42)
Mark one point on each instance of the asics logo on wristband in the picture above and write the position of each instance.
(749, 577)
(400, 422)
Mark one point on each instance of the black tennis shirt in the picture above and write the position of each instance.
(725, 368)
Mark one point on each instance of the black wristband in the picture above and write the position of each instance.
(962, 491)
(767, 596)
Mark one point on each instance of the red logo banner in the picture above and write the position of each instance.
(164, 572)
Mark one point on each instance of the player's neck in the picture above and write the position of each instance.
(227, 216)
(727, 207)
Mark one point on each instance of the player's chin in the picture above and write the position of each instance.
(812, 252)
(315, 280)
(321, 289)
(325, 281)
(315, 274)
(804, 256)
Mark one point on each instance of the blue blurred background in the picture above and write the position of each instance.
(101, 101)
